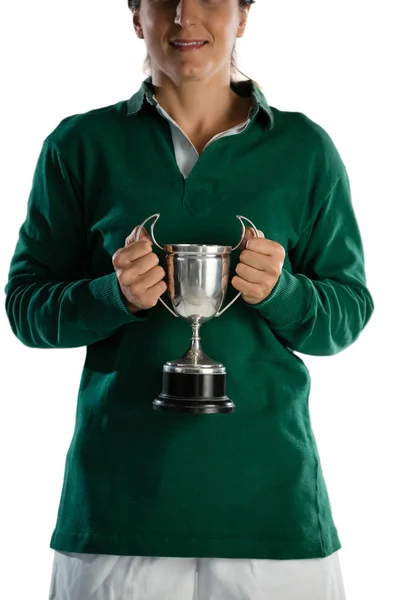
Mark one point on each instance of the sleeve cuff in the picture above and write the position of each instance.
(289, 301)
(105, 309)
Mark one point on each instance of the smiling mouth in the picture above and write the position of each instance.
(187, 44)
(187, 48)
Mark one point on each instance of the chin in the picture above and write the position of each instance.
(192, 71)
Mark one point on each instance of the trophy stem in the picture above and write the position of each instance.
(195, 357)
(195, 346)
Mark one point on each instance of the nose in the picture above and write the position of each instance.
(186, 12)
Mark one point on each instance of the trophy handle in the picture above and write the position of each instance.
(241, 219)
(137, 237)
(139, 231)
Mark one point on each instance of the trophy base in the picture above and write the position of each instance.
(199, 407)
(196, 393)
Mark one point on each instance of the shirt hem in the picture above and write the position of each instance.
(143, 544)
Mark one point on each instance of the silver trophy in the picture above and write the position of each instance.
(197, 279)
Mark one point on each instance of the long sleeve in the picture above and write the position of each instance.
(50, 303)
(322, 307)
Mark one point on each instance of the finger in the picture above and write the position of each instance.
(248, 235)
(267, 247)
(132, 236)
(124, 257)
(153, 293)
(150, 279)
(249, 274)
(255, 259)
(248, 289)
(142, 282)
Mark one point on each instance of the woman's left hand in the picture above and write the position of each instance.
(260, 265)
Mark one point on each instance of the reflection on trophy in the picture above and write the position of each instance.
(197, 279)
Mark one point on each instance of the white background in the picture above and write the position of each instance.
(334, 61)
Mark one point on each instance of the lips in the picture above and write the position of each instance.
(184, 48)
(187, 42)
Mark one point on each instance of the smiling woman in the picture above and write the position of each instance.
(135, 6)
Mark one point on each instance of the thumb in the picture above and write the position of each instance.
(132, 236)
(249, 233)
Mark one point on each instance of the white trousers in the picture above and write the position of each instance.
(78, 576)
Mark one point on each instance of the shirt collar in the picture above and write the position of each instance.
(243, 88)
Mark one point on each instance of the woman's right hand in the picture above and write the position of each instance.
(139, 275)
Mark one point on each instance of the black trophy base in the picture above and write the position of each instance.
(197, 393)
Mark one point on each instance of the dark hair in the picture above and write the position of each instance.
(135, 5)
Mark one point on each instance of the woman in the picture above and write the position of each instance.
(159, 505)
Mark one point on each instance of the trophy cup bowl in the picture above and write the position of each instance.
(197, 279)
